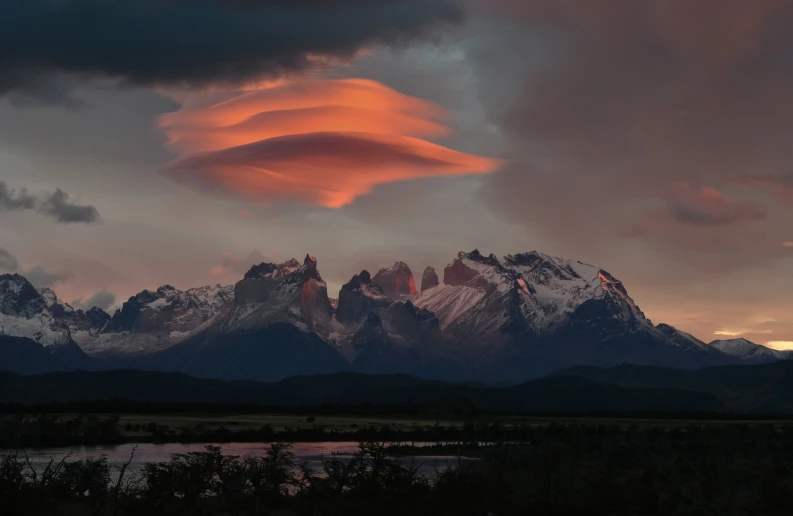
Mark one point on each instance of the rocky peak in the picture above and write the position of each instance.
(360, 297)
(396, 281)
(262, 279)
(168, 309)
(359, 280)
(272, 270)
(24, 312)
(18, 297)
(473, 270)
(429, 279)
(309, 268)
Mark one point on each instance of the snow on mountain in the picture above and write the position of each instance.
(559, 287)
(524, 293)
(153, 320)
(287, 293)
(749, 351)
(25, 312)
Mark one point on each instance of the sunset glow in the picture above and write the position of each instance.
(781, 344)
(324, 142)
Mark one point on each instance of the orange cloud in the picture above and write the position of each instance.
(328, 169)
(310, 140)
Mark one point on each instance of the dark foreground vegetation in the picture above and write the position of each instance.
(742, 389)
(561, 469)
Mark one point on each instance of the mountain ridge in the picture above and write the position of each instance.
(513, 318)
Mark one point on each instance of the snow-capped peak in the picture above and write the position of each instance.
(747, 350)
(542, 290)
(25, 312)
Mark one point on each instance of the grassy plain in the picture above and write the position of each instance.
(347, 423)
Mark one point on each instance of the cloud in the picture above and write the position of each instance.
(616, 102)
(13, 200)
(59, 207)
(56, 205)
(102, 299)
(781, 184)
(787, 245)
(150, 42)
(323, 142)
(708, 207)
(41, 277)
(8, 262)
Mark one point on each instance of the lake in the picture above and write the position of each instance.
(309, 453)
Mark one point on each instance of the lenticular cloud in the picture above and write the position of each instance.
(324, 142)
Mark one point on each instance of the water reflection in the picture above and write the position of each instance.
(311, 454)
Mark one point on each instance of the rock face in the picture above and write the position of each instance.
(397, 281)
(277, 328)
(258, 282)
(359, 297)
(285, 293)
(429, 279)
(153, 320)
(24, 312)
(169, 309)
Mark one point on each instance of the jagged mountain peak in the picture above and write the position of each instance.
(429, 279)
(19, 297)
(272, 270)
(359, 280)
(24, 312)
(310, 269)
(530, 292)
(396, 281)
(359, 297)
(166, 314)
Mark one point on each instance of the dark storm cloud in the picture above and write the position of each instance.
(197, 42)
(102, 299)
(56, 205)
(8, 262)
(41, 277)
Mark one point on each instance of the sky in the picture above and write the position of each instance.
(179, 142)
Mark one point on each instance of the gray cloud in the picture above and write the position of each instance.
(41, 277)
(59, 207)
(708, 207)
(16, 200)
(223, 41)
(56, 205)
(8, 262)
(102, 299)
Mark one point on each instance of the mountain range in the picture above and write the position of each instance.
(492, 319)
